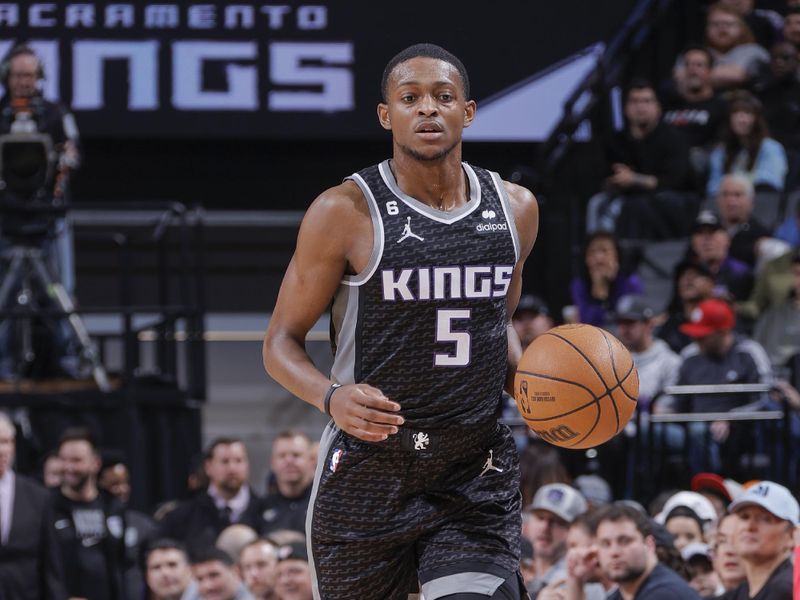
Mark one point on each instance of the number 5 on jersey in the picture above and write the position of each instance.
(446, 333)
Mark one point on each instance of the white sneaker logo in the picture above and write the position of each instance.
(488, 466)
(421, 441)
(407, 233)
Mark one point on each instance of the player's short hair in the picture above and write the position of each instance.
(616, 512)
(166, 544)
(426, 51)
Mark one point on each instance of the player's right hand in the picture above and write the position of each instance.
(365, 413)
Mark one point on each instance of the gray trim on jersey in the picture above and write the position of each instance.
(506, 204)
(377, 235)
(437, 215)
(325, 443)
(344, 315)
(472, 582)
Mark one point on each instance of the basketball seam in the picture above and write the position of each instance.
(616, 376)
(579, 351)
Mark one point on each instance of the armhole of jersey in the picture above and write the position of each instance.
(377, 235)
(506, 204)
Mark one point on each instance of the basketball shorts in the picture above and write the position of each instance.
(437, 509)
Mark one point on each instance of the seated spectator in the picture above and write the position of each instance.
(540, 463)
(545, 525)
(710, 245)
(655, 362)
(778, 329)
(768, 516)
(779, 90)
(648, 162)
(791, 26)
(227, 500)
(695, 109)
(140, 528)
(685, 526)
(217, 576)
(747, 148)
(258, 564)
(694, 283)
(626, 551)
(735, 205)
(167, 572)
(727, 564)
(531, 319)
(764, 24)
(235, 537)
(294, 573)
(702, 577)
(602, 282)
(285, 505)
(720, 492)
(773, 286)
(89, 523)
(717, 356)
(737, 58)
(584, 580)
(700, 506)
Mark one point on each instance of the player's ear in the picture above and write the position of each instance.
(383, 116)
(469, 112)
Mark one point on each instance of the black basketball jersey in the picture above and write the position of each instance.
(425, 321)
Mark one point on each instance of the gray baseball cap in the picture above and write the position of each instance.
(562, 500)
(772, 497)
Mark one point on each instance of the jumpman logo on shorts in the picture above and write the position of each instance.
(407, 233)
(488, 466)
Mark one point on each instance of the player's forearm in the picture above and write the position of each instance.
(287, 362)
(514, 354)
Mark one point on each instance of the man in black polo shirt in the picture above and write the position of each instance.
(286, 502)
(627, 556)
(768, 515)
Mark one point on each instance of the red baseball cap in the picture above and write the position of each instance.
(712, 482)
(709, 316)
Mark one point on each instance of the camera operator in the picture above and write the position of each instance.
(23, 109)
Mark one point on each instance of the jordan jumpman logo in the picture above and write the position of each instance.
(407, 233)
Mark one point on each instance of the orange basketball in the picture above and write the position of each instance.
(576, 386)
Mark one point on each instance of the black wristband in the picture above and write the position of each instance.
(327, 402)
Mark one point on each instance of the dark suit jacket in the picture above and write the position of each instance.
(197, 522)
(30, 565)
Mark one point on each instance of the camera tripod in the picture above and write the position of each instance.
(28, 278)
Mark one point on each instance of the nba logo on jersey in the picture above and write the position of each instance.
(335, 458)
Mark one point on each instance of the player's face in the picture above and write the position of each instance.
(294, 580)
(228, 468)
(23, 75)
(727, 563)
(215, 581)
(548, 534)
(685, 530)
(258, 564)
(425, 108)
(80, 463)
(622, 550)
(760, 535)
(168, 573)
(290, 460)
(7, 447)
(735, 205)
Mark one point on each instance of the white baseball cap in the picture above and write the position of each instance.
(697, 502)
(773, 498)
(560, 499)
(689, 551)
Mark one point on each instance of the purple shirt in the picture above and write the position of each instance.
(598, 312)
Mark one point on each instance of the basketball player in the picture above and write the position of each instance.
(416, 484)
